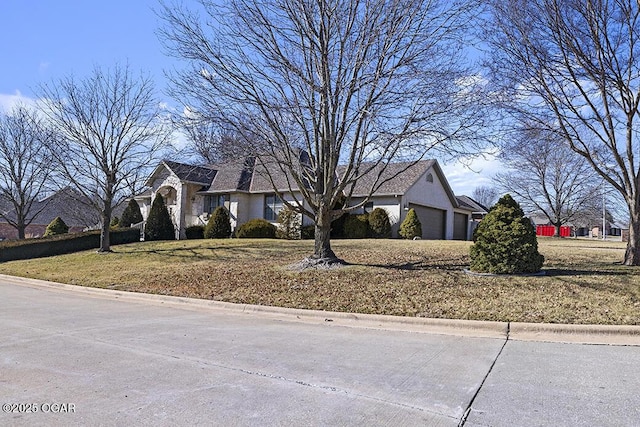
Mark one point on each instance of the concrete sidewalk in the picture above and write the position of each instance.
(131, 359)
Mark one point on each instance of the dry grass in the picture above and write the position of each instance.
(585, 282)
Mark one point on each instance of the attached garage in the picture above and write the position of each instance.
(460, 226)
(433, 221)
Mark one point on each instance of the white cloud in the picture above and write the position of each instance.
(8, 101)
(465, 176)
(43, 67)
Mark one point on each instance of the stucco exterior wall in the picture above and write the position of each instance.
(430, 194)
(392, 204)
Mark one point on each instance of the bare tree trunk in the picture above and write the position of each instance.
(21, 230)
(105, 241)
(557, 226)
(632, 254)
(322, 247)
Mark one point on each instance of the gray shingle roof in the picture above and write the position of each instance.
(467, 202)
(400, 176)
(196, 174)
(68, 205)
(232, 176)
(260, 182)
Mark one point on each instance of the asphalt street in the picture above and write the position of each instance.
(76, 356)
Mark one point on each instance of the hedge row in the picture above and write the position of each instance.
(63, 244)
(375, 225)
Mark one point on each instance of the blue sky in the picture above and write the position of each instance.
(44, 40)
(47, 39)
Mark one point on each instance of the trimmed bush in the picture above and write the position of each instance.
(379, 224)
(505, 241)
(356, 226)
(308, 232)
(122, 236)
(195, 232)
(411, 226)
(256, 229)
(219, 224)
(131, 214)
(62, 244)
(159, 225)
(288, 224)
(115, 222)
(55, 227)
(337, 226)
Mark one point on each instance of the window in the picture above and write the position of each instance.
(211, 202)
(272, 206)
(429, 178)
(368, 207)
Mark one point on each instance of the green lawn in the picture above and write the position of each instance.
(585, 282)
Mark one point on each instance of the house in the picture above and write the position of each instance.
(63, 203)
(192, 192)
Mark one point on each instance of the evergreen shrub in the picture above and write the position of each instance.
(505, 241)
(411, 226)
(288, 224)
(131, 214)
(55, 227)
(256, 228)
(219, 224)
(337, 226)
(159, 225)
(195, 232)
(379, 224)
(308, 232)
(356, 226)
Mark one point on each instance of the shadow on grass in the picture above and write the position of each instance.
(558, 272)
(421, 265)
(211, 252)
(200, 252)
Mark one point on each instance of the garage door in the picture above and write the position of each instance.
(432, 220)
(460, 222)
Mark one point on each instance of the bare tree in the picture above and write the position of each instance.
(208, 141)
(324, 92)
(575, 66)
(485, 195)
(110, 130)
(25, 166)
(549, 178)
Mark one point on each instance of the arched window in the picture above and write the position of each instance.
(429, 177)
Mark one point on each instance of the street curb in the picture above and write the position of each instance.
(584, 334)
(539, 332)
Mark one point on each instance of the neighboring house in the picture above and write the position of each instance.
(64, 203)
(478, 212)
(191, 194)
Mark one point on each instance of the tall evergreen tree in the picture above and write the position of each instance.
(131, 214)
(159, 225)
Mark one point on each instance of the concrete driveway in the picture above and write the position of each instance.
(77, 356)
